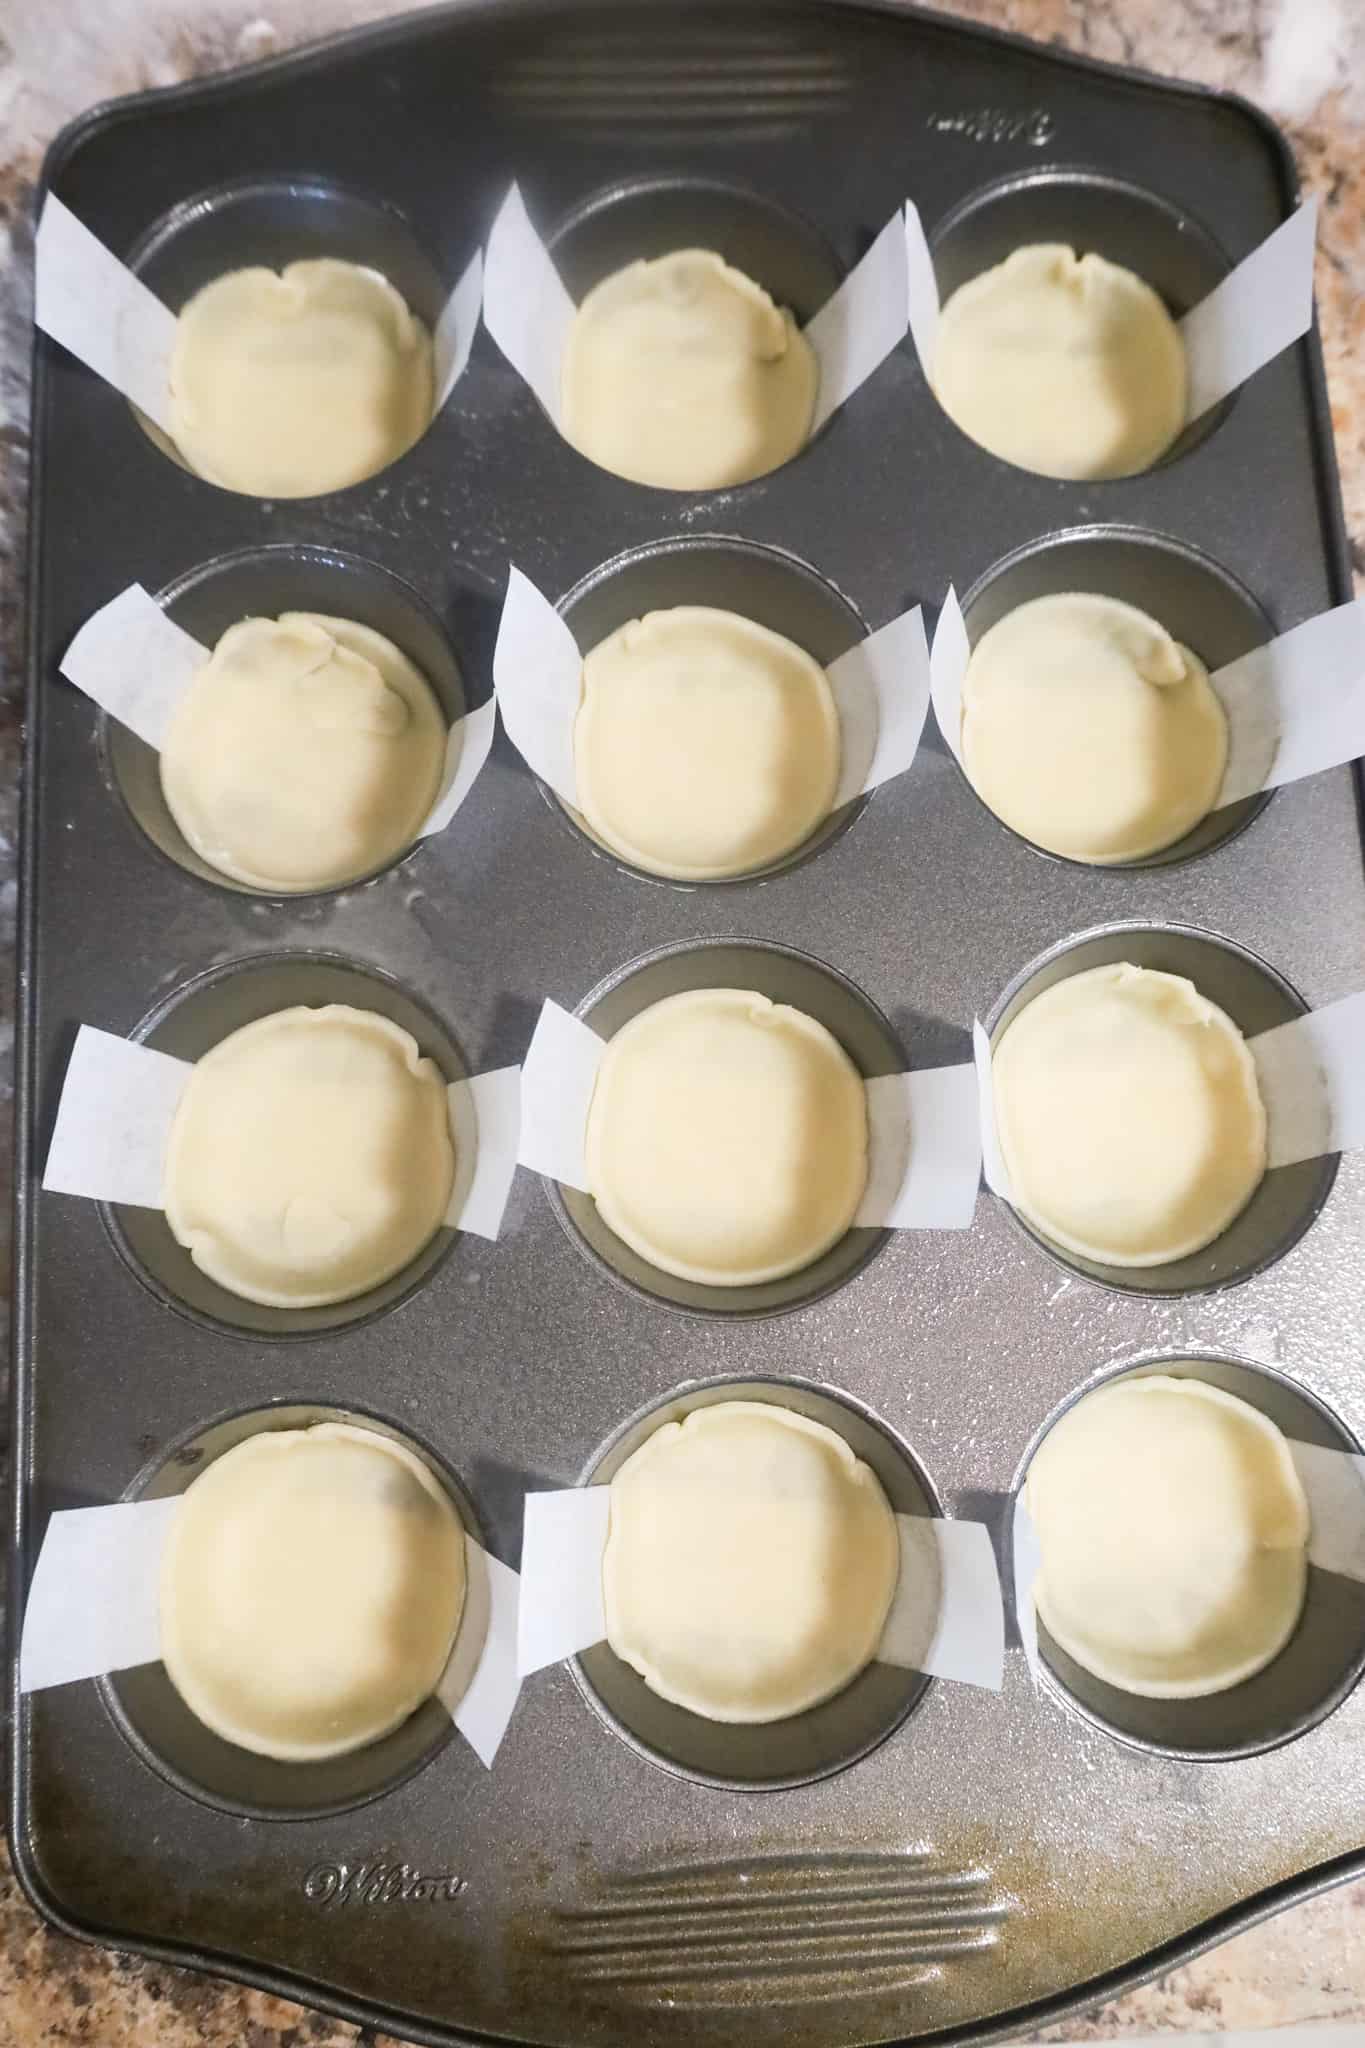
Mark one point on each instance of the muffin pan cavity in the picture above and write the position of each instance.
(1322, 1660)
(776, 1755)
(149, 1711)
(262, 583)
(190, 1023)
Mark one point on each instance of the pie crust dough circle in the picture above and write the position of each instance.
(1173, 1533)
(750, 1564)
(1068, 366)
(727, 1137)
(1090, 731)
(681, 372)
(311, 1590)
(705, 745)
(306, 752)
(1129, 1116)
(285, 384)
(310, 1157)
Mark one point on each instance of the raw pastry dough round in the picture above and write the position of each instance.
(1129, 1116)
(289, 383)
(750, 1564)
(1068, 366)
(1173, 1533)
(727, 1137)
(310, 1157)
(1089, 730)
(705, 745)
(306, 752)
(311, 1591)
(682, 372)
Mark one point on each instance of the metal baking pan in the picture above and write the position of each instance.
(995, 1861)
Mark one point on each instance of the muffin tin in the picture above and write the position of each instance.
(995, 1860)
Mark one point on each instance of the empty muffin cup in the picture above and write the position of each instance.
(773, 1755)
(273, 222)
(172, 1739)
(1256, 998)
(1199, 604)
(1091, 213)
(783, 976)
(756, 582)
(1311, 1675)
(190, 1023)
(263, 583)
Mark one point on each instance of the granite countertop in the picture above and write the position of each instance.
(1304, 60)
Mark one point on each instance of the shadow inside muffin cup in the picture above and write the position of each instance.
(1090, 212)
(270, 223)
(756, 581)
(1313, 1673)
(784, 976)
(1287, 1199)
(647, 218)
(772, 1755)
(172, 1739)
(1200, 604)
(262, 583)
(194, 1019)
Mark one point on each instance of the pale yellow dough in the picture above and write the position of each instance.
(1068, 366)
(1129, 1116)
(311, 1591)
(287, 384)
(1173, 1532)
(310, 1157)
(1089, 730)
(751, 1562)
(682, 372)
(306, 752)
(705, 745)
(727, 1137)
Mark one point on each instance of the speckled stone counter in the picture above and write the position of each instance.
(1302, 59)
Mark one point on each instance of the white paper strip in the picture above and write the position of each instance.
(880, 688)
(537, 676)
(455, 330)
(468, 744)
(94, 305)
(1259, 309)
(947, 1618)
(1297, 705)
(1028, 1559)
(881, 692)
(1334, 1482)
(564, 1535)
(992, 1159)
(114, 1120)
(93, 1605)
(134, 662)
(526, 308)
(966, 1627)
(1294, 706)
(1312, 1077)
(480, 1684)
(855, 330)
(528, 312)
(557, 1081)
(485, 1119)
(924, 1155)
(922, 287)
(948, 660)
